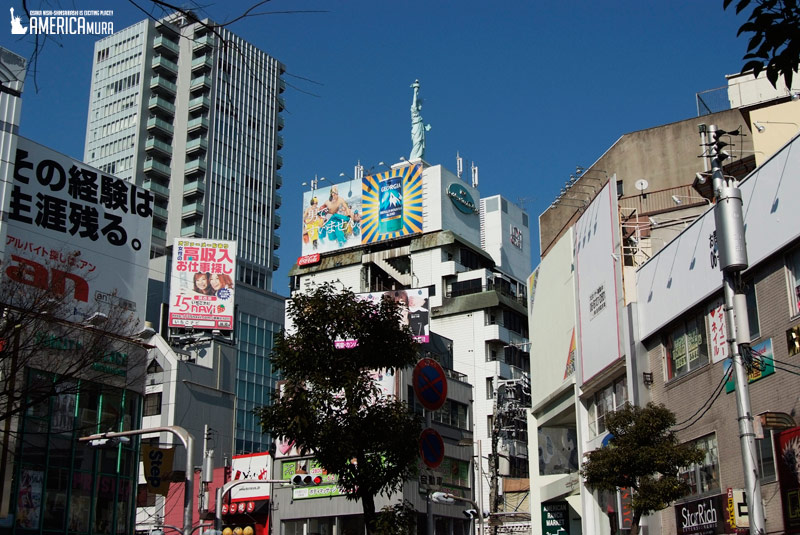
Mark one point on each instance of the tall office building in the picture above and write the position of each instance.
(191, 112)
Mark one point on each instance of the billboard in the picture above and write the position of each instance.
(332, 218)
(252, 466)
(414, 312)
(349, 214)
(392, 204)
(202, 284)
(598, 277)
(72, 229)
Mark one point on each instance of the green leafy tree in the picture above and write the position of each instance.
(775, 43)
(643, 455)
(331, 404)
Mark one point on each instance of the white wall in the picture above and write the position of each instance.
(551, 320)
(680, 275)
(500, 218)
(438, 210)
(599, 284)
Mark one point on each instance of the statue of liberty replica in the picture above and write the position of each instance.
(417, 128)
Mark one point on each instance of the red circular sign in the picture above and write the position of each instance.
(241, 507)
(431, 447)
(251, 506)
(225, 509)
(430, 384)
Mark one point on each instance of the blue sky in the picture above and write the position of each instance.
(526, 90)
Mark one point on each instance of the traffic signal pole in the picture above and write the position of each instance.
(729, 223)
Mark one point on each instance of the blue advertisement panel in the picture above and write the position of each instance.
(392, 204)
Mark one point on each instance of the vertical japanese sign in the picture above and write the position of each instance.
(718, 336)
(788, 460)
(72, 229)
(202, 284)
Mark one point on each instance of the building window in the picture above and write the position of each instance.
(609, 399)
(452, 413)
(687, 347)
(752, 310)
(152, 404)
(766, 456)
(489, 387)
(703, 478)
(793, 263)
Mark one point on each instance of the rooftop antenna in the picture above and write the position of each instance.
(358, 171)
(459, 165)
(474, 175)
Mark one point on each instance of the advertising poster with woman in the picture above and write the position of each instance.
(332, 218)
(202, 284)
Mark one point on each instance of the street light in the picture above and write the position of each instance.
(448, 499)
(188, 442)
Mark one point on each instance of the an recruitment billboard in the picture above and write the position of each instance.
(202, 284)
(74, 230)
(349, 214)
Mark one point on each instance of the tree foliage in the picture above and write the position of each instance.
(643, 455)
(775, 43)
(331, 404)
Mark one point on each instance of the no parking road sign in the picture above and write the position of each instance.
(430, 384)
(431, 447)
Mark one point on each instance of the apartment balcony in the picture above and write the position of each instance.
(162, 86)
(281, 103)
(277, 200)
(201, 103)
(279, 141)
(164, 45)
(154, 167)
(160, 125)
(191, 210)
(281, 85)
(153, 145)
(203, 80)
(280, 122)
(278, 181)
(194, 167)
(278, 161)
(198, 144)
(163, 65)
(157, 189)
(203, 42)
(202, 63)
(276, 242)
(158, 104)
(194, 187)
(194, 230)
(160, 235)
(197, 124)
(276, 262)
(276, 221)
(160, 212)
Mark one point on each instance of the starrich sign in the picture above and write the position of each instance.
(705, 516)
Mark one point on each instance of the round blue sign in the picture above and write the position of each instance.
(431, 447)
(430, 384)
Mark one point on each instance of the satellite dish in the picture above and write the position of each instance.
(641, 184)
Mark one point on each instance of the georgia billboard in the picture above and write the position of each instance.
(202, 284)
(72, 229)
(379, 207)
(392, 204)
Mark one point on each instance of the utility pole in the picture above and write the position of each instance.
(729, 223)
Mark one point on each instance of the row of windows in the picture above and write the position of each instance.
(609, 399)
(114, 147)
(118, 166)
(121, 104)
(120, 124)
(121, 85)
(124, 64)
